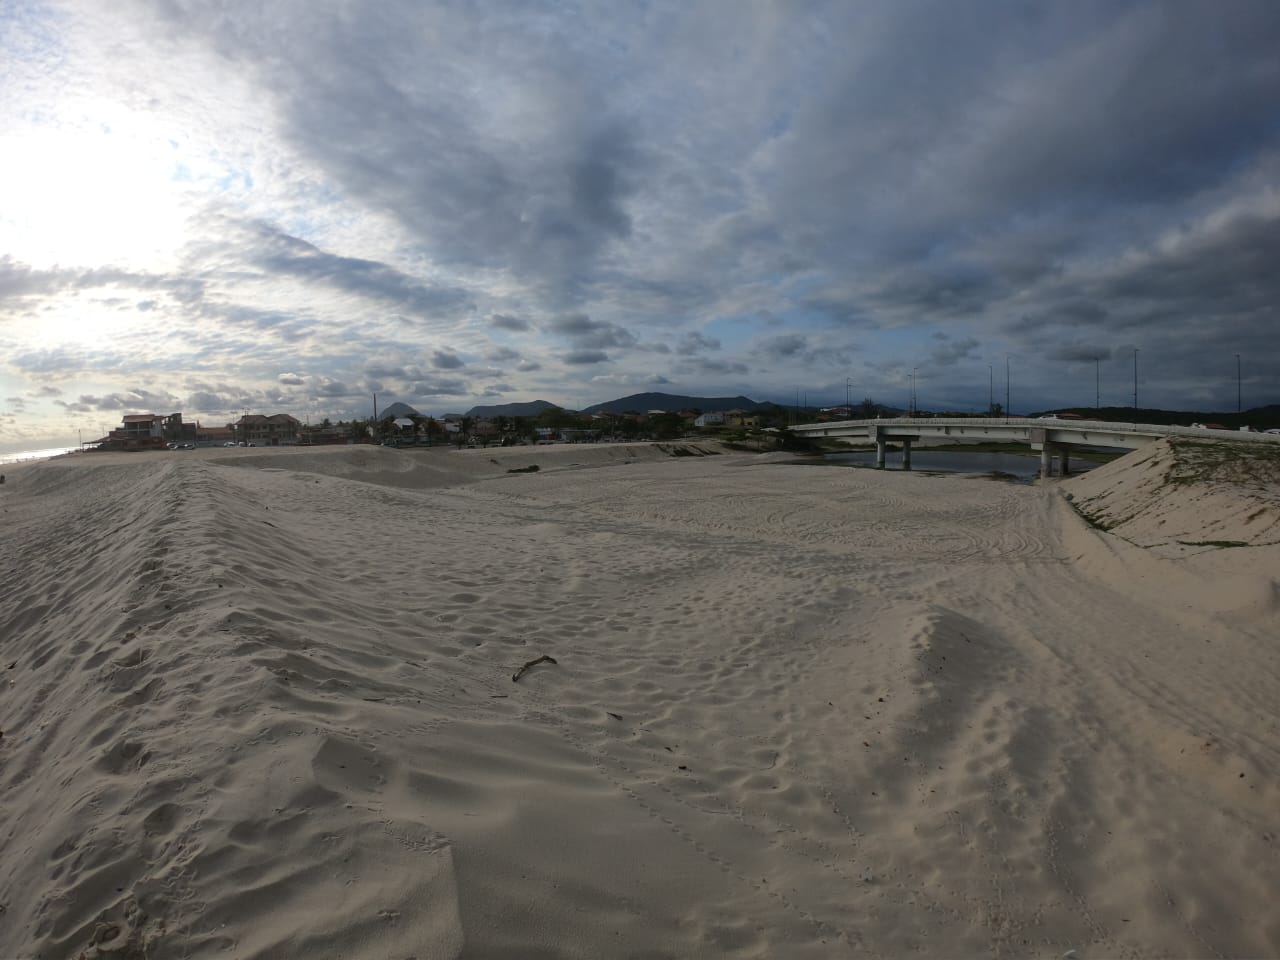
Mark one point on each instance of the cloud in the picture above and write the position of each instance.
(138, 400)
(785, 346)
(443, 360)
(693, 341)
(504, 322)
(1079, 353)
(583, 357)
(949, 352)
(290, 379)
(590, 334)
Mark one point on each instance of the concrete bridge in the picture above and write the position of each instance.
(1051, 436)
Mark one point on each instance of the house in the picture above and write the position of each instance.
(142, 426)
(709, 420)
(273, 431)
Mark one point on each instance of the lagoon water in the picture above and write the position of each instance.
(1022, 466)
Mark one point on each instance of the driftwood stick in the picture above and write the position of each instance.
(532, 663)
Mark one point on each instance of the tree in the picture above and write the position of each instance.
(996, 410)
(666, 426)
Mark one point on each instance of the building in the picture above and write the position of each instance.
(276, 430)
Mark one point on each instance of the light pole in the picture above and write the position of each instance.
(1239, 407)
(1097, 383)
(848, 398)
(913, 390)
(1007, 391)
(991, 388)
(1135, 379)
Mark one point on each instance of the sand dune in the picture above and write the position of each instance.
(261, 705)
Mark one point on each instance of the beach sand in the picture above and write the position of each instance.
(259, 703)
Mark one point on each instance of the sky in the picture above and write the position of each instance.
(221, 206)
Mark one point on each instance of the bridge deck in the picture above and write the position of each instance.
(1037, 432)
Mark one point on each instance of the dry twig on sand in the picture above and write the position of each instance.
(532, 663)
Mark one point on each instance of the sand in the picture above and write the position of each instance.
(259, 703)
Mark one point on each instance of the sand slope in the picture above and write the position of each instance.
(262, 706)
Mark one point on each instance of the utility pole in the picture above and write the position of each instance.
(1097, 383)
(991, 388)
(848, 398)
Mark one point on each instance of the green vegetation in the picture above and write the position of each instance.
(1238, 462)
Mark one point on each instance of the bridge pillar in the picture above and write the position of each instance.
(881, 443)
(906, 453)
(1066, 462)
(1046, 460)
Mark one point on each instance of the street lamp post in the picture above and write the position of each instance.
(1239, 406)
(848, 398)
(1135, 379)
(1007, 390)
(1097, 383)
(991, 388)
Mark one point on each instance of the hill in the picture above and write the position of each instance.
(643, 402)
(530, 409)
(398, 410)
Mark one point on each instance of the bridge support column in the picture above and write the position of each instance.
(1046, 461)
(906, 453)
(1066, 461)
(880, 446)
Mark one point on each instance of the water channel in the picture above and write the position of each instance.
(1025, 467)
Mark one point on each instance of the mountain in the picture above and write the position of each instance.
(398, 410)
(531, 409)
(644, 402)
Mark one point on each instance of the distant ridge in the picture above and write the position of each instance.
(530, 409)
(643, 402)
